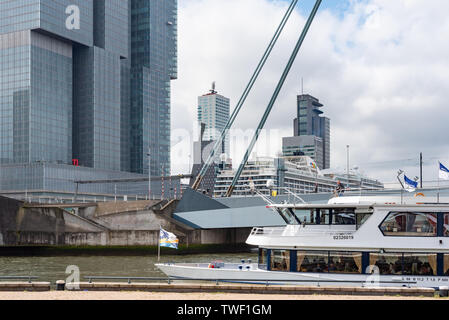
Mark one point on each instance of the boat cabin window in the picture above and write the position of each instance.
(446, 265)
(416, 224)
(305, 216)
(332, 262)
(280, 260)
(446, 225)
(326, 216)
(405, 264)
(388, 263)
(288, 215)
(262, 258)
(345, 262)
(420, 264)
(312, 261)
(362, 215)
(343, 216)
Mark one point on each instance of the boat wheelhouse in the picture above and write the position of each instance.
(349, 241)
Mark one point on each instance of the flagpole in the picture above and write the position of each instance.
(159, 245)
(438, 193)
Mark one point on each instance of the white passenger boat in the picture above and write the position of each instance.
(351, 241)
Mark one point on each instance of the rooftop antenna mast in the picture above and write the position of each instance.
(213, 88)
(274, 97)
(242, 100)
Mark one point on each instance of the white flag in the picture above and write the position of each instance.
(168, 239)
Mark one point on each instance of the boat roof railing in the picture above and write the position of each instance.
(260, 194)
(352, 205)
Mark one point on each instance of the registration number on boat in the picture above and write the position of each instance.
(343, 237)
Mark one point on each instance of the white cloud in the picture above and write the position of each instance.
(381, 71)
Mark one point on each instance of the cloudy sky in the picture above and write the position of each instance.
(380, 67)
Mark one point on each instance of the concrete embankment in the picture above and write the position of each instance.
(252, 289)
(134, 223)
(24, 286)
(222, 289)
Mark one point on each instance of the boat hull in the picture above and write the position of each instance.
(231, 273)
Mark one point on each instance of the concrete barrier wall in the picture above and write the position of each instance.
(22, 224)
(86, 239)
(123, 237)
(8, 217)
(73, 224)
(132, 220)
(34, 238)
(219, 236)
(133, 237)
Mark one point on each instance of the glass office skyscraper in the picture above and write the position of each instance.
(310, 122)
(153, 66)
(311, 132)
(99, 93)
(36, 81)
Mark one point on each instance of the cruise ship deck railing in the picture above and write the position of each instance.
(266, 282)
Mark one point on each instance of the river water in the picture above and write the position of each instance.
(53, 268)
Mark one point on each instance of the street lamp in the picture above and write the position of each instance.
(149, 173)
(347, 163)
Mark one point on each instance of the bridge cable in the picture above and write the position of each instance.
(247, 90)
(274, 97)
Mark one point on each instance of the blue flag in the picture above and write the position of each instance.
(410, 185)
(443, 172)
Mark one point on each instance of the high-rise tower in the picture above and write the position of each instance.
(153, 66)
(213, 111)
(311, 132)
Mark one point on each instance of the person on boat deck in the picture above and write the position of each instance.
(340, 188)
(348, 267)
(425, 270)
(391, 269)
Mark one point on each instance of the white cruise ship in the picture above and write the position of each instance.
(350, 241)
(299, 174)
